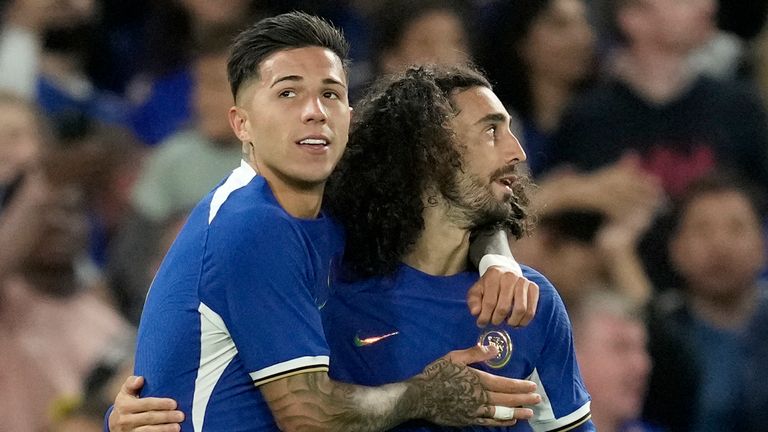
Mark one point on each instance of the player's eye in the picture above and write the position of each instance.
(331, 95)
(287, 94)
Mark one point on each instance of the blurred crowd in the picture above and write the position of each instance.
(644, 123)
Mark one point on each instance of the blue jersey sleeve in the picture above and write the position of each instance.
(106, 418)
(565, 400)
(262, 289)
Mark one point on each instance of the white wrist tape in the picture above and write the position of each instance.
(506, 262)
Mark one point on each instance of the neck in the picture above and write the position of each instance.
(658, 75)
(730, 312)
(299, 200)
(442, 248)
(550, 98)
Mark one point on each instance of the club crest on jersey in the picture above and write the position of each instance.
(501, 340)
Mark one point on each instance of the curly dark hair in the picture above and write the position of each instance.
(400, 144)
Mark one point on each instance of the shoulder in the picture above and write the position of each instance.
(545, 286)
(248, 211)
(551, 308)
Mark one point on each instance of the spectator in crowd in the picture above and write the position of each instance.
(185, 167)
(719, 316)
(610, 338)
(53, 324)
(20, 141)
(681, 124)
(162, 94)
(414, 32)
(589, 227)
(45, 50)
(540, 53)
(107, 159)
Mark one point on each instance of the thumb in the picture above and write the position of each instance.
(133, 385)
(476, 354)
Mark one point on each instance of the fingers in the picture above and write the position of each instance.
(494, 415)
(159, 428)
(533, 304)
(147, 414)
(475, 354)
(498, 412)
(475, 297)
(525, 302)
(513, 400)
(501, 296)
(499, 384)
(134, 406)
(482, 296)
(513, 296)
(164, 420)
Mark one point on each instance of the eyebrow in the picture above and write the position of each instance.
(492, 118)
(330, 81)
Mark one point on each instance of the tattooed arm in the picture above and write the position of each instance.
(447, 392)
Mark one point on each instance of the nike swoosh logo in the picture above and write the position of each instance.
(372, 340)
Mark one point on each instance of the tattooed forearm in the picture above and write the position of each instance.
(444, 393)
(313, 402)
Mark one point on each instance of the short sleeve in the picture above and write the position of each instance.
(565, 402)
(260, 286)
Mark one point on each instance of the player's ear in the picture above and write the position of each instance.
(238, 120)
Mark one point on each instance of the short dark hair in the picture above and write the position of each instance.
(282, 32)
(718, 181)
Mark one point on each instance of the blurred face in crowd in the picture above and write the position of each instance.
(20, 142)
(297, 116)
(615, 364)
(488, 182)
(65, 231)
(70, 12)
(217, 12)
(560, 42)
(719, 247)
(436, 37)
(212, 97)
(571, 265)
(675, 25)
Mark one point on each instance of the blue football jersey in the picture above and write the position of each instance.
(235, 304)
(388, 329)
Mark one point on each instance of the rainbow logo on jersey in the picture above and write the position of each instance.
(501, 340)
